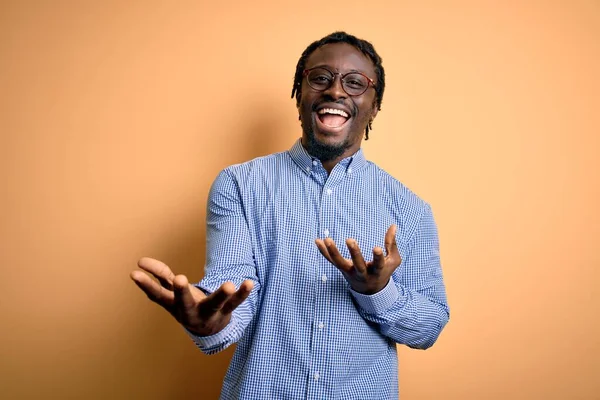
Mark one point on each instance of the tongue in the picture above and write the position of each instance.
(332, 120)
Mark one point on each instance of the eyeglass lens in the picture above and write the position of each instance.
(353, 83)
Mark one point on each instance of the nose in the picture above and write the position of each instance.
(336, 91)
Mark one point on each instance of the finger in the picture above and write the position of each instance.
(238, 297)
(336, 257)
(323, 250)
(357, 258)
(378, 258)
(153, 290)
(391, 247)
(159, 269)
(184, 298)
(390, 241)
(218, 298)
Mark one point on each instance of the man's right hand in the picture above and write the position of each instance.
(200, 314)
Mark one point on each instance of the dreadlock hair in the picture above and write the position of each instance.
(342, 37)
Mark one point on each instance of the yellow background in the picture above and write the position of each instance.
(116, 116)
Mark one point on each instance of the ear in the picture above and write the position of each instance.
(375, 110)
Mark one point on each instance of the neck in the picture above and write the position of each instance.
(328, 165)
(329, 157)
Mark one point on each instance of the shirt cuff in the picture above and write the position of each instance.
(379, 302)
(214, 340)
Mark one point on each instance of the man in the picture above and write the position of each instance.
(312, 318)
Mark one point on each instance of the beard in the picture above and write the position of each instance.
(322, 151)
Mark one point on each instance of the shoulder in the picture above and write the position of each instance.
(252, 171)
(263, 163)
(397, 189)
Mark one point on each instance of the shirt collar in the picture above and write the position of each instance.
(305, 160)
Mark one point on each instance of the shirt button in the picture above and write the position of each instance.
(324, 278)
(316, 376)
(349, 170)
(315, 162)
(326, 232)
(329, 191)
(321, 325)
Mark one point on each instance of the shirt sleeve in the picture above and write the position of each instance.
(412, 309)
(229, 257)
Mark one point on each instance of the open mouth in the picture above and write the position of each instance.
(332, 118)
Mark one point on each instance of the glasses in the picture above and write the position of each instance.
(353, 83)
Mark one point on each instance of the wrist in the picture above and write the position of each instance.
(209, 329)
(379, 302)
(369, 290)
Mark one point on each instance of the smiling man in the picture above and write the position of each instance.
(335, 116)
(286, 277)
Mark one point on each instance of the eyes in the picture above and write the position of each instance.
(321, 79)
(353, 80)
(354, 83)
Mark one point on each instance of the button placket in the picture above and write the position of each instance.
(326, 226)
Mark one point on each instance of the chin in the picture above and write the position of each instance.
(326, 142)
(326, 146)
(329, 138)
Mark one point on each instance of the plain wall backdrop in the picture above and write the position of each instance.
(116, 116)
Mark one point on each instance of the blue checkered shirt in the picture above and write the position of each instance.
(303, 333)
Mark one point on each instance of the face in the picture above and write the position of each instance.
(333, 122)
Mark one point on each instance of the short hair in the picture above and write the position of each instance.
(342, 37)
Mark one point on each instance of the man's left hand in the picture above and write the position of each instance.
(364, 277)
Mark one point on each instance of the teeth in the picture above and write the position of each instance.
(333, 111)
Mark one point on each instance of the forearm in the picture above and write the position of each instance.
(229, 258)
(404, 315)
(412, 309)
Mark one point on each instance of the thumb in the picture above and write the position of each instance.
(183, 295)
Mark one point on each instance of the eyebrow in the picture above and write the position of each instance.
(334, 69)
